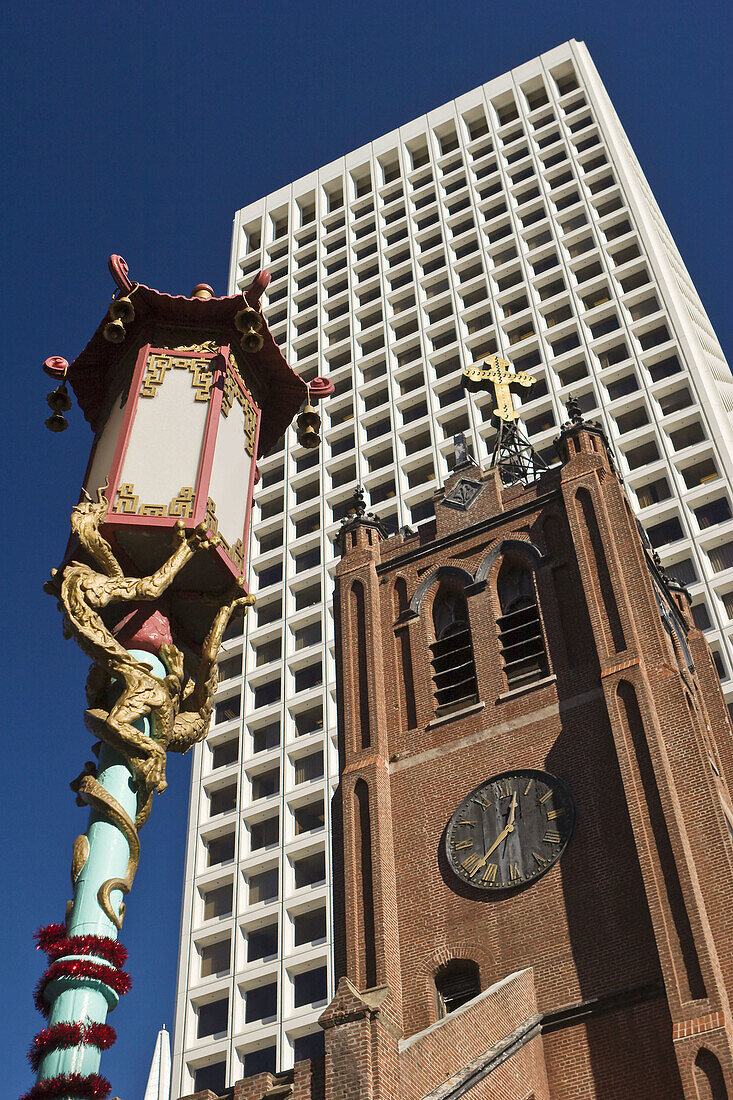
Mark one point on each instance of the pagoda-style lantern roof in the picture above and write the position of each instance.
(279, 390)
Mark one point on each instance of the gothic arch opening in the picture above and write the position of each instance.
(709, 1079)
(405, 683)
(693, 985)
(520, 629)
(365, 880)
(596, 550)
(361, 687)
(454, 669)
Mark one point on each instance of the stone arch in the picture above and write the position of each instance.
(442, 956)
(434, 577)
(531, 553)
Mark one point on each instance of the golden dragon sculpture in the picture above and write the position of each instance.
(122, 689)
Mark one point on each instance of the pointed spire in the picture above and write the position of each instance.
(159, 1078)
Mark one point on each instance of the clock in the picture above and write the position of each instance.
(510, 830)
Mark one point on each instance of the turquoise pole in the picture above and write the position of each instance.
(81, 999)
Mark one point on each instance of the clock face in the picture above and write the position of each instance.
(510, 830)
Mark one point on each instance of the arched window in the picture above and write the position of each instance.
(456, 983)
(454, 670)
(520, 630)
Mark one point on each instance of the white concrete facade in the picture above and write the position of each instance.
(515, 218)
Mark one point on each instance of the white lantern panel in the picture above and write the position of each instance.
(164, 450)
(104, 451)
(230, 473)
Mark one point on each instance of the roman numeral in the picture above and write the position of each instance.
(541, 861)
(545, 796)
(490, 872)
(482, 802)
(552, 814)
(527, 788)
(503, 790)
(471, 863)
(463, 844)
(471, 824)
(551, 837)
(514, 872)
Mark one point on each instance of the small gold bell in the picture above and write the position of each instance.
(57, 422)
(248, 320)
(114, 332)
(252, 341)
(122, 309)
(59, 399)
(308, 424)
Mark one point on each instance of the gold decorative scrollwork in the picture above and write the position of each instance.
(210, 520)
(182, 505)
(236, 551)
(153, 510)
(232, 392)
(126, 503)
(158, 366)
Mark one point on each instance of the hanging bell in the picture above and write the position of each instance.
(248, 320)
(308, 424)
(114, 332)
(252, 342)
(59, 399)
(60, 402)
(57, 422)
(122, 309)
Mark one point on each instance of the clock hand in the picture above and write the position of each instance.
(508, 828)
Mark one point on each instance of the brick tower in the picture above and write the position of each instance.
(534, 858)
(536, 830)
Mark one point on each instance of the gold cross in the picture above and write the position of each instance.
(501, 377)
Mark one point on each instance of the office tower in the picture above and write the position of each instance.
(515, 219)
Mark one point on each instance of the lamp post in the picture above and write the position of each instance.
(183, 395)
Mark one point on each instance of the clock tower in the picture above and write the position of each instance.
(534, 879)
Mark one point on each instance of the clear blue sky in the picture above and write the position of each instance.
(140, 129)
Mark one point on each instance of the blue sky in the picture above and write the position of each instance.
(140, 129)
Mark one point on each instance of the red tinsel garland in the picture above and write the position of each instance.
(62, 1035)
(89, 1086)
(80, 968)
(55, 941)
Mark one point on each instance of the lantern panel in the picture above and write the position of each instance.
(232, 466)
(98, 476)
(161, 464)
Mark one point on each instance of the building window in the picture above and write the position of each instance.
(267, 737)
(310, 870)
(220, 849)
(265, 783)
(308, 721)
(213, 1018)
(308, 927)
(264, 833)
(259, 1061)
(261, 1003)
(309, 1046)
(222, 801)
(215, 958)
(227, 709)
(308, 768)
(309, 817)
(225, 753)
(212, 1077)
(218, 902)
(263, 887)
(454, 670)
(262, 943)
(456, 983)
(520, 630)
(310, 987)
